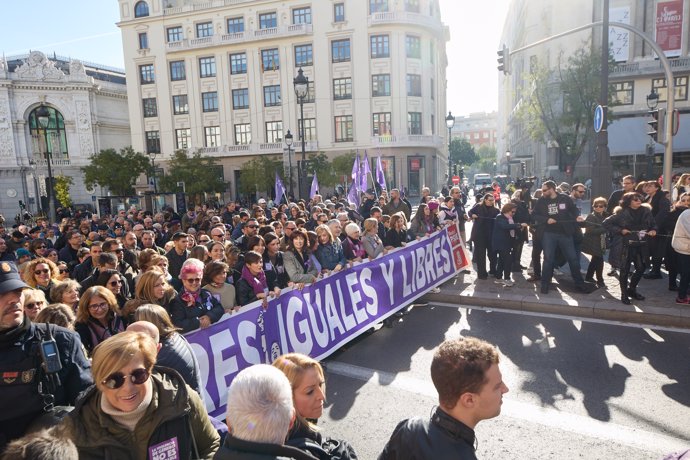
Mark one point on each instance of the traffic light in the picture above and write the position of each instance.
(461, 173)
(656, 125)
(504, 60)
(523, 168)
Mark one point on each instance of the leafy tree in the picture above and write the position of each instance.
(320, 164)
(486, 157)
(62, 185)
(342, 166)
(462, 152)
(199, 174)
(258, 175)
(118, 171)
(560, 106)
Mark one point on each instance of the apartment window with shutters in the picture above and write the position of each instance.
(174, 34)
(238, 63)
(301, 15)
(380, 85)
(304, 55)
(413, 46)
(338, 12)
(183, 138)
(153, 142)
(274, 132)
(207, 67)
(271, 95)
(209, 101)
(177, 71)
(204, 29)
(343, 128)
(381, 123)
(414, 123)
(414, 85)
(379, 47)
(180, 105)
(342, 88)
(150, 108)
(235, 25)
(268, 20)
(243, 134)
(340, 50)
(270, 60)
(240, 98)
(212, 136)
(146, 74)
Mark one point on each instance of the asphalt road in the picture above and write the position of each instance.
(577, 390)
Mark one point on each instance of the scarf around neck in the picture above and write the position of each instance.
(258, 282)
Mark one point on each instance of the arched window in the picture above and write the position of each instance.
(51, 137)
(141, 9)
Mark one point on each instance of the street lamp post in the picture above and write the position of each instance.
(43, 117)
(652, 104)
(288, 142)
(153, 172)
(37, 201)
(301, 84)
(450, 122)
(508, 162)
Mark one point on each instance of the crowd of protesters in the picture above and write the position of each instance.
(640, 227)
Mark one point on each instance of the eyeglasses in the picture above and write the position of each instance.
(115, 283)
(599, 206)
(33, 305)
(40, 247)
(192, 280)
(41, 272)
(637, 199)
(218, 235)
(117, 379)
(252, 226)
(99, 306)
(206, 240)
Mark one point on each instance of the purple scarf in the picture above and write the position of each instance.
(258, 282)
(357, 248)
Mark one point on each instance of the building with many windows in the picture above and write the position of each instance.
(636, 73)
(217, 76)
(86, 112)
(476, 128)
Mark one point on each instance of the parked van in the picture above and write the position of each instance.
(481, 181)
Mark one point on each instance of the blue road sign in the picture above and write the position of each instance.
(598, 118)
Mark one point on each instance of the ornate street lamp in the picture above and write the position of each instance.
(450, 122)
(43, 117)
(301, 84)
(652, 100)
(288, 142)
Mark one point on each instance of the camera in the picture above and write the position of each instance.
(525, 183)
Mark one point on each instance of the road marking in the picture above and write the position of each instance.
(567, 317)
(551, 418)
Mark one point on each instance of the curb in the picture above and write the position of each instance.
(675, 316)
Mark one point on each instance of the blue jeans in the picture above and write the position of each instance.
(550, 241)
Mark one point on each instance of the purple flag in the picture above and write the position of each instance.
(365, 171)
(314, 187)
(380, 177)
(353, 194)
(280, 189)
(355, 170)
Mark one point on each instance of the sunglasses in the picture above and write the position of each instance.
(41, 272)
(115, 283)
(219, 235)
(33, 305)
(252, 226)
(204, 241)
(117, 379)
(637, 199)
(118, 250)
(193, 280)
(40, 247)
(64, 270)
(599, 206)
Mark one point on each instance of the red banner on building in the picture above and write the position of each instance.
(669, 26)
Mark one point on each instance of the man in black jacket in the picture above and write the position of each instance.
(470, 389)
(560, 219)
(28, 388)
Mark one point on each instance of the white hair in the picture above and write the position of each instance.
(351, 228)
(260, 405)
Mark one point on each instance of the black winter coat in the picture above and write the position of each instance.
(187, 318)
(238, 449)
(483, 225)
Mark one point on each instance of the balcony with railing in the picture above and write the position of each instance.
(407, 18)
(267, 148)
(412, 140)
(649, 67)
(174, 7)
(240, 37)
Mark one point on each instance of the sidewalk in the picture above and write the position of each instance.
(658, 309)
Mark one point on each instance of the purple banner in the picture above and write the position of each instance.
(324, 316)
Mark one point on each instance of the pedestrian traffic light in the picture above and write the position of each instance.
(656, 125)
(504, 60)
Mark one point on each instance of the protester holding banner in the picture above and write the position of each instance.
(423, 223)
(396, 236)
(253, 285)
(371, 241)
(274, 266)
(215, 282)
(135, 410)
(194, 307)
(296, 259)
(329, 252)
(308, 394)
(352, 245)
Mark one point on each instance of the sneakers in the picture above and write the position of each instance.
(534, 278)
(683, 301)
(435, 290)
(500, 281)
(508, 283)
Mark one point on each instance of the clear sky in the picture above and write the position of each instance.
(86, 30)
